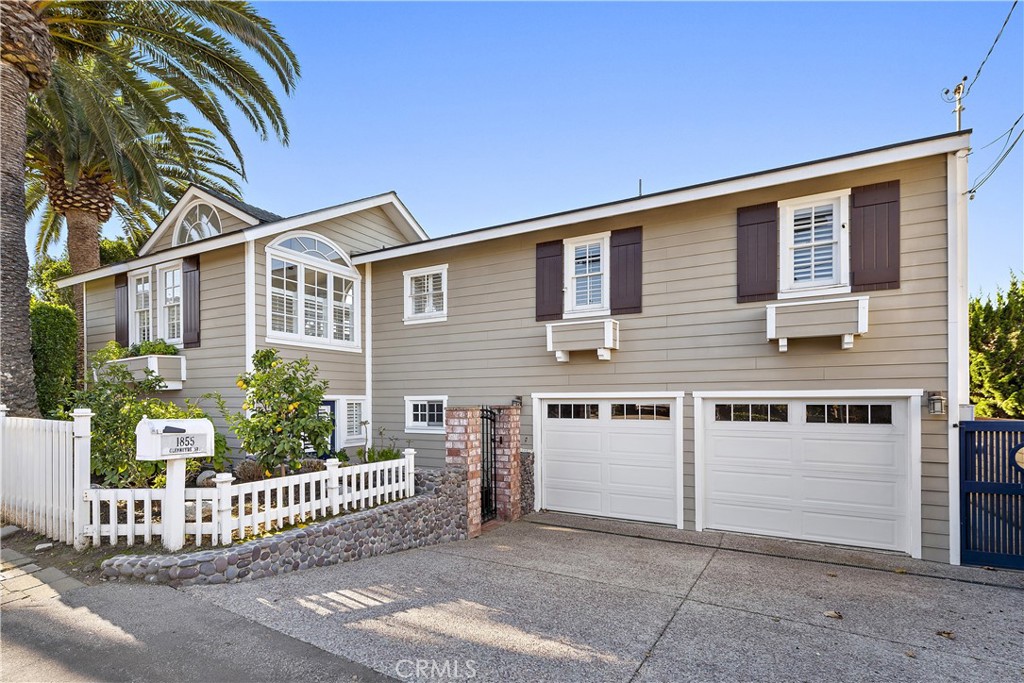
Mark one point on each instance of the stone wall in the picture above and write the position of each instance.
(436, 514)
(526, 479)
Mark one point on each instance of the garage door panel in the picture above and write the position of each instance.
(737, 448)
(751, 518)
(844, 452)
(639, 446)
(574, 500)
(639, 476)
(750, 485)
(851, 530)
(829, 491)
(565, 471)
(573, 439)
(646, 509)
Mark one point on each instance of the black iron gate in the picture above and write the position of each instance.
(992, 493)
(488, 442)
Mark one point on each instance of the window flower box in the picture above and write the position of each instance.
(170, 368)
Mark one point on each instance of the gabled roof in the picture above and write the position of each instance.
(262, 215)
(247, 213)
(388, 202)
(878, 156)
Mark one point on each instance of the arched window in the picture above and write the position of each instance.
(199, 222)
(313, 292)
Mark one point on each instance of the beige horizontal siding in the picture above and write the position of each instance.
(217, 362)
(691, 336)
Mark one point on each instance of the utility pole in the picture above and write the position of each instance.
(957, 96)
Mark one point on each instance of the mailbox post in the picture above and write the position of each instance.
(173, 441)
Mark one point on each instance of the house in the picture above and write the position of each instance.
(757, 354)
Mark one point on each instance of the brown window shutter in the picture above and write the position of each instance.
(875, 237)
(121, 309)
(190, 301)
(550, 275)
(626, 271)
(757, 253)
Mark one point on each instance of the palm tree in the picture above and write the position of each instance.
(72, 180)
(193, 46)
(26, 54)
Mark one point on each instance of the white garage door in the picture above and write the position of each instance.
(611, 458)
(829, 470)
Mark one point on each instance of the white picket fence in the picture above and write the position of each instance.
(37, 475)
(46, 488)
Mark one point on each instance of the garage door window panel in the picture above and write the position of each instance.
(641, 411)
(751, 412)
(573, 411)
(849, 413)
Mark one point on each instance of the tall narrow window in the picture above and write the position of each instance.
(426, 294)
(314, 293)
(142, 308)
(354, 421)
(814, 243)
(586, 275)
(284, 296)
(170, 304)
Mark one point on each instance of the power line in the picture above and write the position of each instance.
(998, 36)
(995, 166)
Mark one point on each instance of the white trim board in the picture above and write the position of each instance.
(853, 162)
(538, 437)
(810, 393)
(192, 196)
(956, 315)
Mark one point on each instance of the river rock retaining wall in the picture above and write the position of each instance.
(526, 481)
(436, 514)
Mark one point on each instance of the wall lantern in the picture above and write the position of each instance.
(936, 403)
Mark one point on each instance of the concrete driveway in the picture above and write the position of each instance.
(539, 601)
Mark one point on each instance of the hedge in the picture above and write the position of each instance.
(54, 336)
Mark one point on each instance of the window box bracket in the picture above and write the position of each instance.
(601, 336)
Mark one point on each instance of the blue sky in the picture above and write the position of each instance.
(479, 114)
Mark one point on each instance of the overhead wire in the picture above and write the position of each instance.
(989, 54)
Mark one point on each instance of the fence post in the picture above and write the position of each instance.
(222, 519)
(172, 511)
(410, 471)
(82, 473)
(333, 494)
(5, 497)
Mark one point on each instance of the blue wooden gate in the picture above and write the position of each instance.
(992, 493)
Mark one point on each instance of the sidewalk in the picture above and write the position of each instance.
(20, 578)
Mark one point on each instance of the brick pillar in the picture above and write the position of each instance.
(507, 463)
(462, 449)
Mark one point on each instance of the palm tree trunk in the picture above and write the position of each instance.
(17, 376)
(83, 228)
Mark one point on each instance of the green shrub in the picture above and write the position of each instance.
(284, 421)
(119, 401)
(380, 452)
(108, 352)
(997, 352)
(156, 347)
(54, 335)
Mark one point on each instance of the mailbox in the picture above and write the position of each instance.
(173, 439)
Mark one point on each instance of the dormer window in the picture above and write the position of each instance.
(199, 222)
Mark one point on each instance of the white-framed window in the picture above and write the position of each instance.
(814, 245)
(425, 414)
(349, 414)
(169, 303)
(313, 293)
(199, 221)
(140, 289)
(586, 275)
(426, 294)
